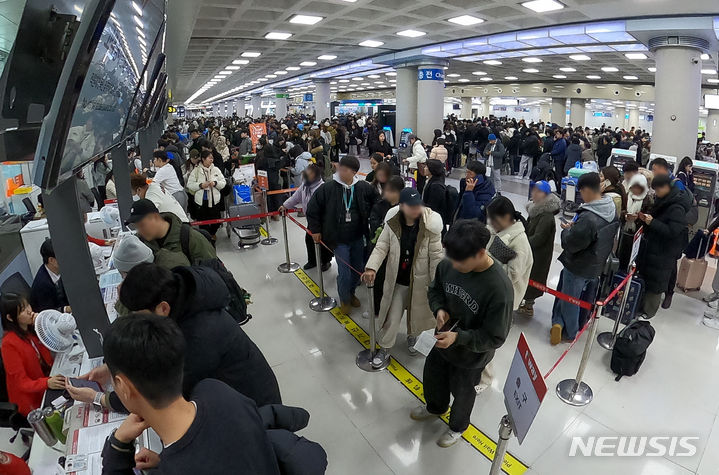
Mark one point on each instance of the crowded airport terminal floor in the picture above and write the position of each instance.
(359, 237)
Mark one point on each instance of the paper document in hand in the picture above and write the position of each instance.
(425, 342)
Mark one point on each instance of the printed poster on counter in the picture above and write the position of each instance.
(257, 130)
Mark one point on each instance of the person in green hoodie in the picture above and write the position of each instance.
(162, 233)
(472, 299)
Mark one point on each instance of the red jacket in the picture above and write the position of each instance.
(26, 381)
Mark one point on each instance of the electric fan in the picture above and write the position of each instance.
(56, 330)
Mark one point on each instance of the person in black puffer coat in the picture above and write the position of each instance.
(665, 236)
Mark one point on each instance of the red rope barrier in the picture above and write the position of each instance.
(571, 345)
(614, 292)
(561, 296)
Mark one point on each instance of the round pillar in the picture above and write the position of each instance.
(281, 97)
(430, 101)
(544, 112)
(577, 112)
(677, 91)
(406, 99)
(620, 117)
(713, 126)
(256, 103)
(559, 111)
(322, 99)
(484, 107)
(466, 108)
(633, 118)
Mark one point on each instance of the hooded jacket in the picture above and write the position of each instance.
(541, 228)
(428, 252)
(472, 204)
(168, 251)
(664, 239)
(326, 211)
(494, 157)
(588, 242)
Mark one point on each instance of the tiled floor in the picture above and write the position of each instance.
(362, 419)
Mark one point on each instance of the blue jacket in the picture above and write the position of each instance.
(559, 149)
(472, 204)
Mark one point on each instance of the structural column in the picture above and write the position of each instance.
(577, 112)
(406, 95)
(281, 103)
(559, 111)
(322, 99)
(430, 100)
(466, 108)
(633, 118)
(677, 91)
(544, 113)
(256, 102)
(713, 126)
(620, 117)
(484, 107)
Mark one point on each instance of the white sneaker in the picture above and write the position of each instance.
(713, 304)
(380, 358)
(712, 297)
(481, 387)
(420, 413)
(449, 438)
(411, 341)
(711, 322)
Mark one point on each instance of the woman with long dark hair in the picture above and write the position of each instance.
(686, 174)
(27, 362)
(205, 182)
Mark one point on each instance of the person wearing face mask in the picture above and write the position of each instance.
(612, 187)
(205, 183)
(639, 200)
(311, 181)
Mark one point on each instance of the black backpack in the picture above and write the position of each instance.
(237, 306)
(630, 349)
(451, 202)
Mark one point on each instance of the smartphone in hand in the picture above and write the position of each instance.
(83, 383)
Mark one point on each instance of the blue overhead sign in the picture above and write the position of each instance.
(308, 97)
(430, 74)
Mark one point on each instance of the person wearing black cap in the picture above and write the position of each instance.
(338, 214)
(162, 232)
(411, 245)
(586, 243)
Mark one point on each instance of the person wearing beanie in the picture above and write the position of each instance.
(338, 215)
(129, 252)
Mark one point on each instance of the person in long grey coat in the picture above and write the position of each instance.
(541, 228)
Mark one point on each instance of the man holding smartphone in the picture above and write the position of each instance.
(472, 298)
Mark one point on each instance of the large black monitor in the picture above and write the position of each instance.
(96, 98)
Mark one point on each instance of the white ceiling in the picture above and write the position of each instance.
(224, 29)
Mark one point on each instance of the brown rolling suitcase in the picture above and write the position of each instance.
(691, 273)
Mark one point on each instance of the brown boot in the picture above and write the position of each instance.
(355, 302)
(555, 334)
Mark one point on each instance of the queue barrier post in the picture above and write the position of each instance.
(269, 240)
(607, 339)
(505, 432)
(321, 303)
(288, 266)
(365, 357)
(576, 392)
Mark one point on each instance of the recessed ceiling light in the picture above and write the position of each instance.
(530, 70)
(374, 76)
(532, 60)
(371, 43)
(541, 6)
(485, 79)
(250, 54)
(635, 55)
(559, 76)
(219, 77)
(277, 35)
(453, 75)
(391, 73)
(594, 76)
(510, 78)
(567, 70)
(344, 80)
(225, 72)
(411, 33)
(305, 19)
(466, 20)
(241, 61)
(357, 78)
(609, 69)
(262, 79)
(308, 63)
(137, 8)
(479, 73)
(652, 70)
(713, 81)
(463, 80)
(492, 62)
(705, 57)
(327, 57)
(233, 68)
(270, 76)
(709, 71)
(292, 68)
(280, 73)
(138, 21)
(579, 57)
(630, 78)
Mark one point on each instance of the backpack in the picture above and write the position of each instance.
(237, 306)
(451, 202)
(630, 349)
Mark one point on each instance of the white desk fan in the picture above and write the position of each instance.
(57, 331)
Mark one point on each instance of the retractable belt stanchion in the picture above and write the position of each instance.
(287, 267)
(575, 392)
(606, 339)
(269, 240)
(505, 432)
(365, 357)
(323, 303)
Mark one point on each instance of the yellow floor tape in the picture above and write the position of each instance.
(478, 439)
(263, 232)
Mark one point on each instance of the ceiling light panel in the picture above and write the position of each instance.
(466, 20)
(371, 43)
(542, 6)
(411, 33)
(305, 19)
(277, 35)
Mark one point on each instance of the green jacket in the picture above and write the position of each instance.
(168, 251)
